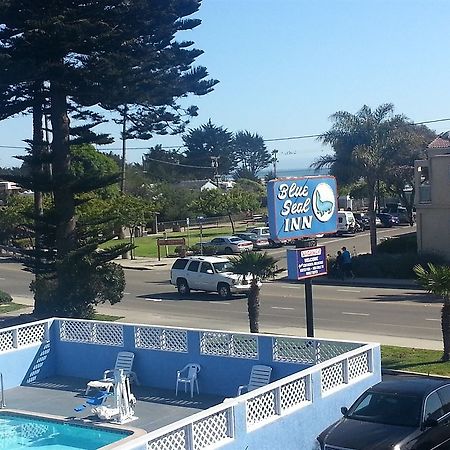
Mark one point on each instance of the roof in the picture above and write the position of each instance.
(414, 385)
(442, 141)
(195, 184)
(211, 259)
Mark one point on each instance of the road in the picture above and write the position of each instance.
(392, 316)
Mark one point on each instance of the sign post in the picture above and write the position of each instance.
(301, 208)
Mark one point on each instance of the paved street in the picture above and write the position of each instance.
(407, 317)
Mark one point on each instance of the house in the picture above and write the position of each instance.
(8, 188)
(197, 185)
(432, 181)
(46, 364)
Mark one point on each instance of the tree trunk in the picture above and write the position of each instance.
(445, 325)
(63, 195)
(37, 151)
(373, 228)
(253, 307)
(232, 223)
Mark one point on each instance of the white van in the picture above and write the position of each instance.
(346, 222)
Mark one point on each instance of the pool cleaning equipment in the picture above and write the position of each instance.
(118, 406)
(2, 404)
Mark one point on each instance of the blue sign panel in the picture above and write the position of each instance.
(306, 262)
(300, 207)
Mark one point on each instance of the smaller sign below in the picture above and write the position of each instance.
(306, 262)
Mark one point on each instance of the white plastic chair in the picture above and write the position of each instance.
(124, 361)
(259, 376)
(188, 375)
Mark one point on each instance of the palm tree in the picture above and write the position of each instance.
(260, 266)
(436, 280)
(364, 146)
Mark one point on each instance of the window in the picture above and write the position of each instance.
(205, 267)
(444, 394)
(217, 241)
(193, 266)
(433, 407)
(180, 264)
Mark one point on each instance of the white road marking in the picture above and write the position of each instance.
(355, 314)
(125, 293)
(153, 299)
(348, 290)
(434, 320)
(282, 307)
(220, 303)
(2, 278)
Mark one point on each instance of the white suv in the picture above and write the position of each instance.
(209, 274)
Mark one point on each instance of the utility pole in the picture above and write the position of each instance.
(274, 160)
(124, 148)
(215, 166)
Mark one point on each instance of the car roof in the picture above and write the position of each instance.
(410, 385)
(211, 259)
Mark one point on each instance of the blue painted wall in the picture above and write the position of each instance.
(299, 429)
(154, 368)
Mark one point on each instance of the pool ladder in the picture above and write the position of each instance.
(2, 404)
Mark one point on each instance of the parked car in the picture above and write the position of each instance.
(388, 220)
(364, 220)
(228, 245)
(209, 274)
(263, 232)
(397, 211)
(259, 242)
(346, 222)
(404, 413)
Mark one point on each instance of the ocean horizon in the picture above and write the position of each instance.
(300, 172)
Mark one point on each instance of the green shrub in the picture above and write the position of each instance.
(406, 243)
(5, 297)
(389, 265)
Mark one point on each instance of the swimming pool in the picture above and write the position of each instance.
(20, 431)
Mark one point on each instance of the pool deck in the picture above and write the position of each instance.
(58, 396)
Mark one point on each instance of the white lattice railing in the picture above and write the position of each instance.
(233, 345)
(90, 332)
(24, 335)
(280, 397)
(341, 371)
(155, 338)
(206, 429)
(308, 351)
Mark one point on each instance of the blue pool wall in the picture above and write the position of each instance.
(156, 368)
(299, 429)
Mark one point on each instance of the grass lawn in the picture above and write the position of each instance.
(414, 360)
(106, 317)
(146, 246)
(8, 307)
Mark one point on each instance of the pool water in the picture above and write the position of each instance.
(21, 431)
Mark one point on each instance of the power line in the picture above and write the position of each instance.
(178, 147)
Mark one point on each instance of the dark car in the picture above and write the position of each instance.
(362, 220)
(403, 413)
(388, 220)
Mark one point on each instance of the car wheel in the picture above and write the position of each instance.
(223, 290)
(228, 251)
(183, 287)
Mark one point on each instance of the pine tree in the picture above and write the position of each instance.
(63, 58)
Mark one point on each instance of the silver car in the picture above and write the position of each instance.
(259, 242)
(229, 244)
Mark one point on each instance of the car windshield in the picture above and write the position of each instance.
(388, 408)
(221, 267)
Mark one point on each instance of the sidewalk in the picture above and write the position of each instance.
(166, 263)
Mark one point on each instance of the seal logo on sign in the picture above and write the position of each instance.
(323, 202)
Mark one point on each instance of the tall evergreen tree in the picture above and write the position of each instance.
(204, 142)
(82, 54)
(251, 152)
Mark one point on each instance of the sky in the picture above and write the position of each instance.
(285, 66)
